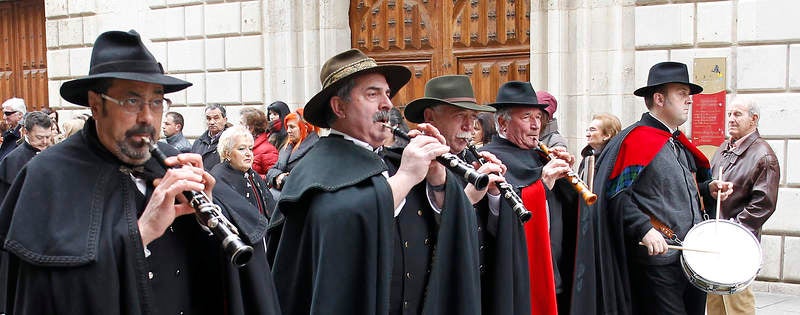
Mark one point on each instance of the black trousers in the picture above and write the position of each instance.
(664, 290)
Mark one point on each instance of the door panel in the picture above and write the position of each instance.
(23, 65)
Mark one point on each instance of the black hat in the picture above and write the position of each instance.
(455, 90)
(342, 66)
(516, 93)
(120, 55)
(667, 72)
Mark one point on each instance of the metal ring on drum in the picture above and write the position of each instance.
(732, 268)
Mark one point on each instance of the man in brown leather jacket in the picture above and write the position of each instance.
(749, 163)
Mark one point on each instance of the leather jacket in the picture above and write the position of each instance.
(753, 169)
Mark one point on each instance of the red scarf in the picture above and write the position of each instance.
(540, 259)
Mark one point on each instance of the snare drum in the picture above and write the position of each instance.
(732, 268)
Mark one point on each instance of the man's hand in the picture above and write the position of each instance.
(553, 170)
(161, 210)
(416, 165)
(715, 186)
(655, 242)
(561, 153)
(495, 168)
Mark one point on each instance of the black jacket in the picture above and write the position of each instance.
(13, 163)
(224, 173)
(207, 147)
(10, 138)
(335, 252)
(85, 255)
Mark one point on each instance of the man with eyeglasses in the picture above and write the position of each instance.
(13, 110)
(94, 225)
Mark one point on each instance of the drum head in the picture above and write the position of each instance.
(739, 253)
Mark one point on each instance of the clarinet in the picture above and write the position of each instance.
(576, 181)
(511, 197)
(210, 215)
(451, 162)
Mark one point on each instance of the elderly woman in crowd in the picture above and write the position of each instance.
(301, 136)
(235, 150)
(71, 127)
(601, 129)
(277, 112)
(264, 153)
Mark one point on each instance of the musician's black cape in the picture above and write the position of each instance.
(505, 288)
(335, 255)
(524, 168)
(76, 249)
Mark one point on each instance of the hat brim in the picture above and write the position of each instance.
(317, 111)
(648, 90)
(76, 91)
(516, 104)
(415, 110)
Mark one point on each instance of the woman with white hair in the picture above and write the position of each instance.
(235, 150)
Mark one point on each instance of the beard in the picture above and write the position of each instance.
(133, 151)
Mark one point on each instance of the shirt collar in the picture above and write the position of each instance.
(353, 140)
(672, 131)
(739, 141)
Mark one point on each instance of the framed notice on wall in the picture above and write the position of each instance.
(708, 108)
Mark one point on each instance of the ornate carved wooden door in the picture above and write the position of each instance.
(23, 53)
(488, 40)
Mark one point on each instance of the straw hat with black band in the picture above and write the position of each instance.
(455, 90)
(335, 73)
(120, 55)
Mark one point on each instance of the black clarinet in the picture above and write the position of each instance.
(512, 199)
(210, 215)
(451, 162)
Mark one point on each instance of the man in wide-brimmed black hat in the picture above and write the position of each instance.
(648, 194)
(365, 234)
(543, 191)
(88, 230)
(450, 106)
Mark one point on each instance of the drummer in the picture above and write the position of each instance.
(748, 162)
(647, 179)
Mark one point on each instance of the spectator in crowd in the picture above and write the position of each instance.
(37, 136)
(264, 153)
(601, 129)
(206, 145)
(235, 149)
(549, 134)
(484, 129)
(13, 110)
(301, 137)
(173, 131)
(71, 127)
(88, 231)
(395, 120)
(277, 112)
(750, 164)
(55, 126)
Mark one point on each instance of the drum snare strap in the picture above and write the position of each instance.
(664, 229)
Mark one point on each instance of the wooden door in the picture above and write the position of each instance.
(488, 40)
(23, 52)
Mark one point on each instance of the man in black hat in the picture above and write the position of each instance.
(366, 235)
(647, 185)
(450, 106)
(549, 198)
(92, 225)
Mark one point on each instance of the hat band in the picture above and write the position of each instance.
(348, 70)
(139, 66)
(461, 99)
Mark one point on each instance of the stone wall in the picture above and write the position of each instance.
(237, 53)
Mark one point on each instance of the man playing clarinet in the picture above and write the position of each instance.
(450, 106)
(550, 198)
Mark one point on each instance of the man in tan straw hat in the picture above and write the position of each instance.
(94, 225)
(370, 233)
(450, 106)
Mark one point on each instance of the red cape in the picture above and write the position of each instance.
(540, 261)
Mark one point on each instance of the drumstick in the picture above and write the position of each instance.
(688, 249)
(719, 192)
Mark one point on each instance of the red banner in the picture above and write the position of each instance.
(708, 119)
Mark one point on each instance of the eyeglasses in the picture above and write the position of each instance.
(134, 105)
(9, 113)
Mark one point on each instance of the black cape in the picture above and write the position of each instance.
(505, 288)
(85, 254)
(335, 252)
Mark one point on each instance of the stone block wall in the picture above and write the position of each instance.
(238, 53)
